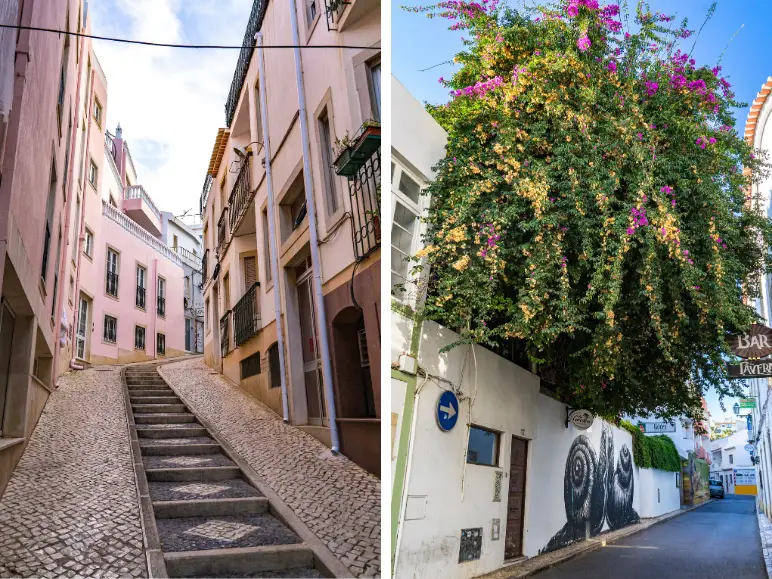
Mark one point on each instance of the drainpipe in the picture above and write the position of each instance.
(63, 265)
(272, 227)
(316, 262)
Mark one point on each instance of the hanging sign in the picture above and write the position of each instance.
(757, 343)
(658, 427)
(762, 369)
(749, 419)
(747, 403)
(581, 419)
(749, 448)
(447, 410)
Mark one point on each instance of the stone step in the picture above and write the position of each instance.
(210, 507)
(258, 561)
(154, 399)
(147, 382)
(171, 430)
(157, 408)
(191, 491)
(189, 460)
(172, 418)
(162, 447)
(153, 392)
(212, 473)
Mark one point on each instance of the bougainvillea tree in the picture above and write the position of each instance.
(595, 206)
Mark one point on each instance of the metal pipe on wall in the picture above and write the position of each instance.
(316, 263)
(274, 254)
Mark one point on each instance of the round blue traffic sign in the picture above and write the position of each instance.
(447, 410)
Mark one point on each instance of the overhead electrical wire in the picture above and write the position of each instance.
(195, 46)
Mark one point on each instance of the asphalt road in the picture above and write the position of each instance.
(720, 540)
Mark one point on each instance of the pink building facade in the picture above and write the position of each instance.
(67, 202)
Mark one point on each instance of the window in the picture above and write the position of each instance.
(112, 273)
(404, 232)
(98, 112)
(71, 291)
(273, 366)
(110, 329)
(731, 459)
(226, 292)
(250, 366)
(267, 246)
(128, 181)
(63, 76)
(325, 142)
(93, 174)
(76, 231)
(483, 446)
(258, 114)
(311, 10)
(207, 324)
(112, 201)
(141, 287)
(89, 247)
(174, 242)
(375, 88)
(56, 273)
(49, 221)
(160, 344)
(161, 297)
(139, 338)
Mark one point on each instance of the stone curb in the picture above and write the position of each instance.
(765, 534)
(530, 567)
(325, 558)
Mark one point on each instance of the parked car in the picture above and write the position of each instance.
(716, 489)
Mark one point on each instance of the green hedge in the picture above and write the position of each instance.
(653, 451)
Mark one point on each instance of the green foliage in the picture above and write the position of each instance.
(657, 451)
(594, 206)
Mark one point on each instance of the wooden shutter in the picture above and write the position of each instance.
(250, 272)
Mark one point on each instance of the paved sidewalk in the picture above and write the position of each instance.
(765, 530)
(71, 507)
(529, 567)
(339, 501)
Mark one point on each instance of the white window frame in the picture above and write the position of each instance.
(93, 173)
(88, 246)
(418, 209)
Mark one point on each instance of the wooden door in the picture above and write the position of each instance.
(513, 545)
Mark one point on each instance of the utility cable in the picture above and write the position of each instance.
(196, 46)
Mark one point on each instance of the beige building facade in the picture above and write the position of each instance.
(291, 218)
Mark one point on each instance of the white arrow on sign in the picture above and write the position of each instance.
(449, 410)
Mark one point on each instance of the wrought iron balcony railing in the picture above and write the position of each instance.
(140, 302)
(222, 233)
(241, 196)
(245, 56)
(205, 267)
(205, 195)
(111, 286)
(161, 309)
(364, 189)
(138, 192)
(225, 336)
(333, 11)
(246, 315)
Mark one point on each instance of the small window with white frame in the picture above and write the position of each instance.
(88, 247)
(405, 238)
(139, 338)
(93, 173)
(375, 88)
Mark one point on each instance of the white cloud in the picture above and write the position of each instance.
(169, 102)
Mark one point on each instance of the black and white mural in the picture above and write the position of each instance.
(595, 490)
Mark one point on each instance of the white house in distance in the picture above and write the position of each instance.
(732, 463)
(480, 450)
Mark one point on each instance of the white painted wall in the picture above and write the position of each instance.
(658, 492)
(683, 437)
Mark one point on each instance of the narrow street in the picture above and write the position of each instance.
(719, 540)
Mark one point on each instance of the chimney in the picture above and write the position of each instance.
(120, 154)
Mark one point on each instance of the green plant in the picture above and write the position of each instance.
(657, 451)
(334, 5)
(595, 205)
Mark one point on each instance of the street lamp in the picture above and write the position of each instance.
(736, 409)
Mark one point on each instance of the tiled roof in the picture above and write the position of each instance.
(753, 116)
(218, 151)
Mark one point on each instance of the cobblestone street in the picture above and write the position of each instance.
(339, 501)
(70, 509)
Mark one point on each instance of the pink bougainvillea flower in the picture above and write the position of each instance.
(584, 43)
(612, 66)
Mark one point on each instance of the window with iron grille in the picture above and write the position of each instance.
(160, 344)
(49, 220)
(110, 329)
(250, 366)
(141, 289)
(111, 285)
(273, 366)
(93, 173)
(139, 337)
(161, 297)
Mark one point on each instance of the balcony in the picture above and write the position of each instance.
(365, 191)
(225, 335)
(161, 309)
(222, 234)
(113, 214)
(344, 13)
(189, 258)
(138, 205)
(246, 315)
(240, 206)
(111, 286)
(140, 301)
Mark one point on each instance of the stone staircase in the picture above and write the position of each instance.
(202, 515)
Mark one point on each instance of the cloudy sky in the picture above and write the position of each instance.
(169, 102)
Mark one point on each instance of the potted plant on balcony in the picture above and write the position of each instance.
(351, 155)
(342, 153)
(334, 5)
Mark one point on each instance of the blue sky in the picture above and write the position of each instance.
(419, 43)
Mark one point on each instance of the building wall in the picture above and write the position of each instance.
(658, 492)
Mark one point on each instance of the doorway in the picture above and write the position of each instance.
(513, 544)
(312, 362)
(7, 321)
(82, 329)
